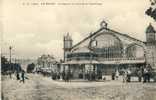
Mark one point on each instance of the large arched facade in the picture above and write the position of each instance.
(108, 46)
(104, 52)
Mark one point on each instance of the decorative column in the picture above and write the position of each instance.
(124, 52)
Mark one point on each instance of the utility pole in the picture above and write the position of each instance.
(10, 48)
(90, 67)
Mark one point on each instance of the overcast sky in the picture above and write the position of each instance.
(36, 29)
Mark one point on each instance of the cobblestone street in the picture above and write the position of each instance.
(43, 88)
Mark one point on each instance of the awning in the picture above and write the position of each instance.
(105, 62)
(123, 62)
(81, 62)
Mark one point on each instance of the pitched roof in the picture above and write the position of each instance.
(108, 30)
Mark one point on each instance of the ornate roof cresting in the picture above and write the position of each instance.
(103, 24)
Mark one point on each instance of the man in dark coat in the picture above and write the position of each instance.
(23, 76)
(17, 76)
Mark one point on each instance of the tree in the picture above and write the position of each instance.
(151, 11)
(30, 68)
(4, 64)
(4, 60)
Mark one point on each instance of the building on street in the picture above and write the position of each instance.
(107, 50)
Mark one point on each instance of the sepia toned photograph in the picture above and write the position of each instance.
(78, 49)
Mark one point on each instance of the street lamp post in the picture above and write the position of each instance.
(153, 59)
(90, 67)
(10, 48)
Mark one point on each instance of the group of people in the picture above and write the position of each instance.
(68, 75)
(143, 73)
(65, 75)
(127, 75)
(21, 76)
(91, 76)
(55, 75)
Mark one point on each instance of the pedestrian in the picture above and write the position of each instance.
(147, 76)
(51, 74)
(66, 76)
(113, 75)
(10, 74)
(117, 74)
(139, 74)
(23, 76)
(63, 75)
(149, 72)
(100, 75)
(124, 76)
(17, 76)
(93, 76)
(58, 75)
(128, 75)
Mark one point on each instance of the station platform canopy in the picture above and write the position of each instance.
(104, 62)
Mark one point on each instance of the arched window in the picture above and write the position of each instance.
(135, 51)
(109, 46)
(94, 43)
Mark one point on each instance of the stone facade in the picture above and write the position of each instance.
(68, 43)
(151, 46)
(110, 42)
(151, 54)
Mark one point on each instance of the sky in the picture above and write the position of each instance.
(33, 30)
